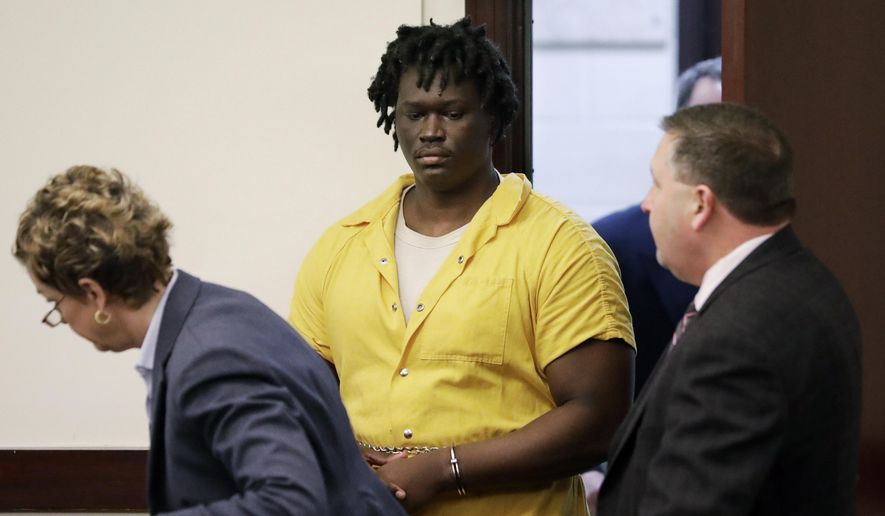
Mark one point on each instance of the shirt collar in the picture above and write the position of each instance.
(720, 270)
(505, 202)
(145, 362)
(379, 206)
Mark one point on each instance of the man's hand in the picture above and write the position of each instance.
(419, 478)
(376, 460)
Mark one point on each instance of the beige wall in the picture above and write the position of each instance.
(247, 122)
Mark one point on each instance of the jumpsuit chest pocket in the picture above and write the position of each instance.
(469, 322)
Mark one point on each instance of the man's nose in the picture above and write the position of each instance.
(432, 129)
(646, 203)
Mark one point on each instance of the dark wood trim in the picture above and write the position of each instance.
(733, 50)
(114, 480)
(816, 68)
(871, 481)
(509, 25)
(73, 480)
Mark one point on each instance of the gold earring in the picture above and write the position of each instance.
(101, 318)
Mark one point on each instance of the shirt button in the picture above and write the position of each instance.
(404, 372)
(407, 433)
(420, 307)
(461, 259)
(393, 307)
(383, 261)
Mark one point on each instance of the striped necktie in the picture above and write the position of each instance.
(687, 317)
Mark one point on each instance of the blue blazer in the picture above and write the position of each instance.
(247, 418)
(657, 299)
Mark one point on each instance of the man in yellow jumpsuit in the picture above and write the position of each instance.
(479, 330)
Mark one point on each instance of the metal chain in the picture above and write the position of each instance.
(397, 449)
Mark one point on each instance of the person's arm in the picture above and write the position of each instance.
(249, 422)
(722, 430)
(591, 385)
(307, 310)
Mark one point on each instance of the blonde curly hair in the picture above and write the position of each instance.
(94, 223)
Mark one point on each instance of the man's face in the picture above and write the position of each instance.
(670, 208)
(445, 135)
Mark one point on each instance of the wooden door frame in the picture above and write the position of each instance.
(733, 50)
(851, 76)
(509, 24)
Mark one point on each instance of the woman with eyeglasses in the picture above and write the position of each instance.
(245, 418)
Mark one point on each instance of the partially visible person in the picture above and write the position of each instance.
(656, 298)
(234, 429)
(478, 328)
(755, 407)
(700, 84)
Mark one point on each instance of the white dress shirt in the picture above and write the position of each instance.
(145, 363)
(723, 267)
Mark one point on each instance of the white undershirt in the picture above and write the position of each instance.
(418, 257)
(724, 266)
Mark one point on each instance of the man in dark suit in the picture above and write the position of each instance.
(755, 407)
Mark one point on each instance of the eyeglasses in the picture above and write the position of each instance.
(53, 318)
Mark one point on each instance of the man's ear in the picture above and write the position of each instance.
(703, 204)
(94, 292)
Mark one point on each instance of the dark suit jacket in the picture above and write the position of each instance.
(756, 410)
(246, 417)
(656, 298)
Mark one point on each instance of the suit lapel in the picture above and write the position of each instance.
(178, 305)
(781, 244)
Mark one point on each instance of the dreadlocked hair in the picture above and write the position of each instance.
(455, 52)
